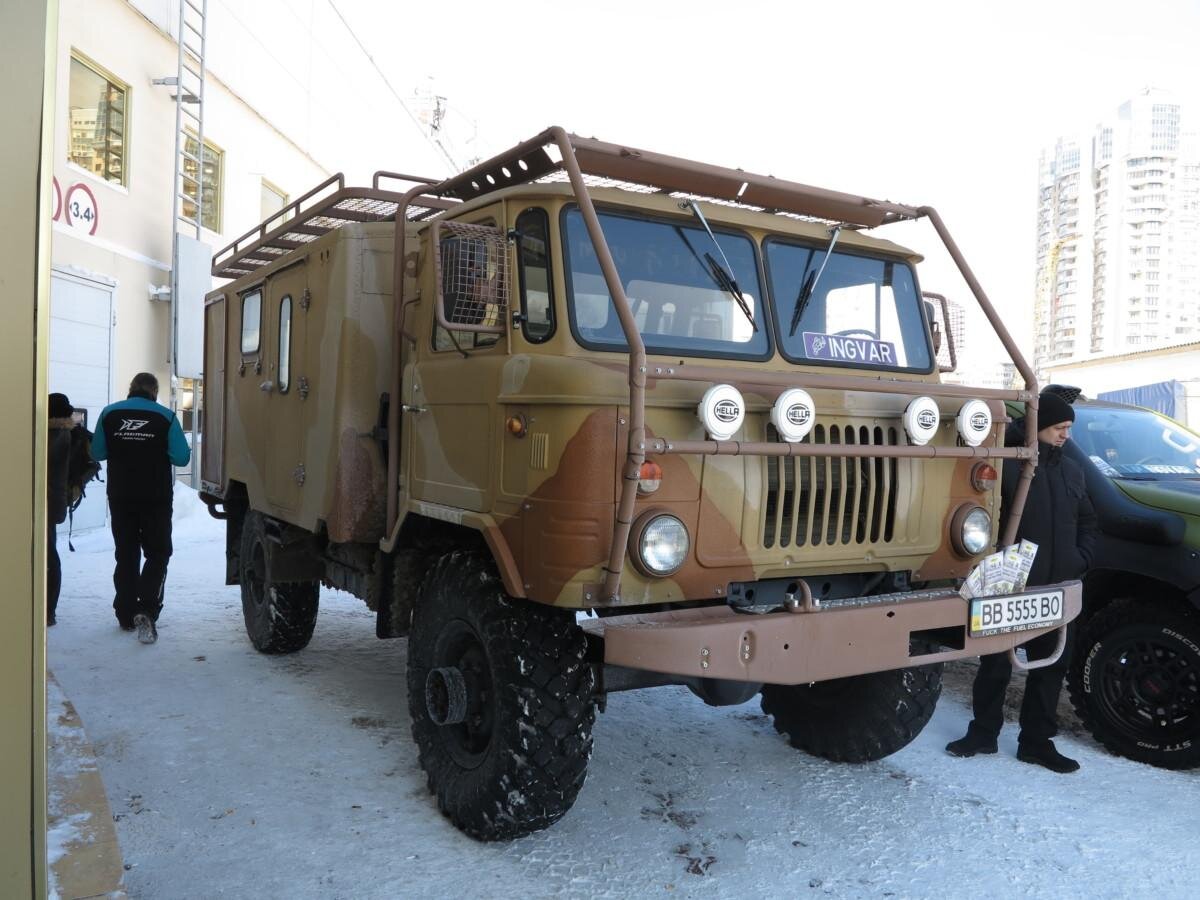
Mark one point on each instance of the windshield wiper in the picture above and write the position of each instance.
(723, 276)
(810, 283)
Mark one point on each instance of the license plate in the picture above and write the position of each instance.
(1015, 612)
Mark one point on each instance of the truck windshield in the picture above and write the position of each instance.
(678, 304)
(861, 312)
(1136, 443)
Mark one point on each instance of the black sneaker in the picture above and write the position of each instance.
(970, 744)
(51, 620)
(126, 625)
(1044, 754)
(146, 632)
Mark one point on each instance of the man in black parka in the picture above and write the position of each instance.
(1059, 518)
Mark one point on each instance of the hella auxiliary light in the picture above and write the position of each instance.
(974, 422)
(793, 415)
(971, 530)
(921, 420)
(722, 410)
(660, 544)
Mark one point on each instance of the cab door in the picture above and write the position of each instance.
(451, 386)
(284, 386)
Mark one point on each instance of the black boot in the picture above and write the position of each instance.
(971, 743)
(1044, 754)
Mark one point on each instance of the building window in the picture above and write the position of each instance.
(99, 125)
(273, 200)
(212, 164)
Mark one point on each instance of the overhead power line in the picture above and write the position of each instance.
(436, 144)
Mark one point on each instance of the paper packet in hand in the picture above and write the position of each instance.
(973, 586)
(1011, 568)
(993, 574)
(1027, 550)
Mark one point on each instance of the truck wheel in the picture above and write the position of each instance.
(858, 719)
(500, 697)
(280, 616)
(1135, 681)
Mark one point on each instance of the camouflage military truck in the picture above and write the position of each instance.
(587, 418)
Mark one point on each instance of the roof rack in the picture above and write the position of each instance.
(539, 159)
(327, 207)
(643, 170)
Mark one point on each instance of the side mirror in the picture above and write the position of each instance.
(935, 328)
(472, 276)
(940, 331)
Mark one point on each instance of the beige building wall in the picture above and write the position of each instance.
(131, 245)
(26, 54)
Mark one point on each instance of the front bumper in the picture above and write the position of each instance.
(849, 637)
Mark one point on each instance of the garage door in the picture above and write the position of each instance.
(81, 363)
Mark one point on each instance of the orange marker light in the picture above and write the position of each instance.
(517, 425)
(983, 477)
(649, 477)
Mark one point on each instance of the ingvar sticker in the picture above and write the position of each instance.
(849, 349)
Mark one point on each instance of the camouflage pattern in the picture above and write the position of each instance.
(544, 500)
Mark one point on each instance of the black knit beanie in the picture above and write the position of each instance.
(60, 407)
(1053, 410)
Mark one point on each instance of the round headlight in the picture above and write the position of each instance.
(976, 531)
(662, 544)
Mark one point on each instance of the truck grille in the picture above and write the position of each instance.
(831, 500)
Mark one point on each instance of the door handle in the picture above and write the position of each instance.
(408, 407)
(267, 386)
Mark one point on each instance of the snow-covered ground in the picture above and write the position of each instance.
(235, 774)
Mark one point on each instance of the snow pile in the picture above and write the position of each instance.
(234, 773)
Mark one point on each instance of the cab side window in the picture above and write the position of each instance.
(533, 268)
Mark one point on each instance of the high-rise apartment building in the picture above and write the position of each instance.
(1118, 240)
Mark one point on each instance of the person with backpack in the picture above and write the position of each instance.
(141, 440)
(59, 423)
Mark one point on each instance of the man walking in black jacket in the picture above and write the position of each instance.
(1059, 518)
(141, 441)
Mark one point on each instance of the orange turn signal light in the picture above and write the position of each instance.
(983, 477)
(649, 477)
(517, 425)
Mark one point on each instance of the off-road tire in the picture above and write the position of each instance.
(516, 765)
(858, 719)
(1135, 667)
(280, 616)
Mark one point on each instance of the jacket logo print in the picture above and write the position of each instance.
(133, 424)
